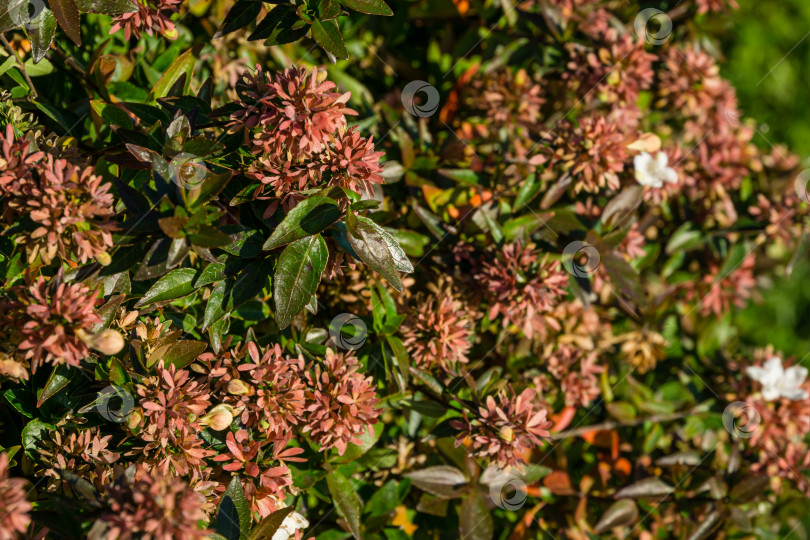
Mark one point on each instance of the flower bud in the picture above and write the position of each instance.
(104, 258)
(238, 388)
(135, 420)
(507, 434)
(107, 342)
(218, 418)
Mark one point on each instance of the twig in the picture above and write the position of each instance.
(21, 64)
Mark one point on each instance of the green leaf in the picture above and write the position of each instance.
(327, 34)
(240, 15)
(370, 243)
(402, 360)
(371, 7)
(209, 237)
(367, 440)
(184, 65)
(328, 9)
(309, 217)
(346, 501)
(11, 14)
(211, 274)
(279, 27)
(216, 308)
(269, 525)
(60, 377)
(233, 515)
(118, 373)
(298, 273)
(182, 353)
(67, 15)
(176, 284)
(107, 313)
(112, 114)
(41, 31)
(528, 191)
(32, 433)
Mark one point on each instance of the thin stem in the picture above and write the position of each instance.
(21, 63)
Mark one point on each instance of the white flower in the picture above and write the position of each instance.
(778, 382)
(291, 523)
(653, 171)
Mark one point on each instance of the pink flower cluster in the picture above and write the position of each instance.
(300, 131)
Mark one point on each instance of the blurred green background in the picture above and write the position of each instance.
(768, 59)
(767, 48)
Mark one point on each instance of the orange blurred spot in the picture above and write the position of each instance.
(452, 211)
(623, 466)
(475, 200)
(563, 419)
(559, 483)
(401, 520)
(463, 6)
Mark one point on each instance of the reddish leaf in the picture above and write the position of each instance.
(67, 15)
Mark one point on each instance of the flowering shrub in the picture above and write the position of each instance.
(477, 279)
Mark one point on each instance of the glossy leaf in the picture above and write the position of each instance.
(175, 284)
(298, 273)
(347, 503)
(372, 7)
(309, 217)
(233, 515)
(327, 34)
(67, 15)
(370, 243)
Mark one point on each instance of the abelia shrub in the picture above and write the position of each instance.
(298, 269)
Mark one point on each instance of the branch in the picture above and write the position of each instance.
(21, 63)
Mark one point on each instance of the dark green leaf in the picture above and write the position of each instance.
(368, 241)
(298, 273)
(112, 114)
(277, 27)
(328, 9)
(309, 217)
(240, 15)
(34, 432)
(175, 284)
(372, 7)
(41, 30)
(181, 353)
(327, 34)
(233, 515)
(60, 377)
(346, 501)
(216, 307)
(107, 313)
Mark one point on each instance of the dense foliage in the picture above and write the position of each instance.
(429, 269)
